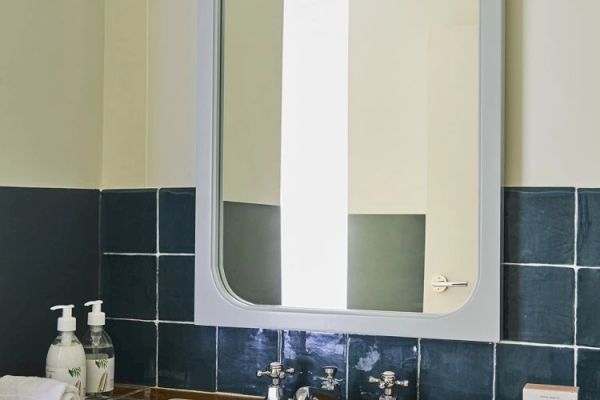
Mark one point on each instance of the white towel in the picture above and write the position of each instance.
(30, 388)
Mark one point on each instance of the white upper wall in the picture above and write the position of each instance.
(553, 91)
(51, 92)
(51, 102)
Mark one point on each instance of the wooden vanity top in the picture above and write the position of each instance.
(126, 392)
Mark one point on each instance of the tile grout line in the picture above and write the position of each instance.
(347, 376)
(576, 284)
(418, 368)
(494, 371)
(157, 244)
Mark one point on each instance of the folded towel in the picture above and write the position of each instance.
(30, 388)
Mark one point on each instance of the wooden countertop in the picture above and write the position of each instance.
(126, 392)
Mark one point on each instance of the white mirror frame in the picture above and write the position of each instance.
(477, 320)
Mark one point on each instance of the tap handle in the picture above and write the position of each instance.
(276, 372)
(388, 380)
(329, 381)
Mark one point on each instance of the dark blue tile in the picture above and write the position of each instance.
(517, 365)
(456, 370)
(135, 351)
(48, 255)
(177, 210)
(128, 286)
(129, 221)
(372, 355)
(241, 353)
(187, 357)
(588, 233)
(539, 225)
(176, 288)
(588, 298)
(308, 353)
(588, 374)
(538, 304)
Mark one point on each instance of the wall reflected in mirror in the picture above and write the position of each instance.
(350, 159)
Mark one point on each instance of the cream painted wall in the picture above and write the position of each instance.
(150, 93)
(388, 107)
(252, 100)
(51, 92)
(553, 92)
(125, 94)
(172, 64)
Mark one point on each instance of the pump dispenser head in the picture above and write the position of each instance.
(66, 323)
(96, 317)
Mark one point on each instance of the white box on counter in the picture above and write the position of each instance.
(533, 391)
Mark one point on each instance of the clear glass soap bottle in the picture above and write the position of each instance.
(99, 354)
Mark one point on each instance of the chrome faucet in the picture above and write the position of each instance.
(276, 372)
(330, 387)
(387, 382)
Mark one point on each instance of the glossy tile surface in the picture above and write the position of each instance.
(241, 352)
(519, 364)
(456, 370)
(588, 233)
(135, 351)
(177, 210)
(128, 286)
(129, 221)
(588, 315)
(539, 225)
(48, 255)
(308, 353)
(184, 353)
(538, 304)
(588, 374)
(176, 288)
(372, 355)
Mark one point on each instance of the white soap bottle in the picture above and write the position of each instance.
(66, 359)
(99, 353)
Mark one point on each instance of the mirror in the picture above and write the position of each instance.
(349, 166)
(350, 152)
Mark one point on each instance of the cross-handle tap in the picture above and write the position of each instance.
(330, 382)
(387, 382)
(276, 372)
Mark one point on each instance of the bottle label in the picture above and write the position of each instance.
(75, 376)
(101, 375)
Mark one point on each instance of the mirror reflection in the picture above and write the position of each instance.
(350, 153)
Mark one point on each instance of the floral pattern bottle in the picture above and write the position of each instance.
(66, 358)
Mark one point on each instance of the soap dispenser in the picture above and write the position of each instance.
(99, 353)
(66, 359)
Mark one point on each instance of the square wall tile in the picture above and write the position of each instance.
(135, 351)
(588, 374)
(128, 286)
(187, 357)
(177, 211)
(372, 355)
(176, 288)
(517, 365)
(539, 225)
(456, 370)
(128, 221)
(588, 299)
(538, 304)
(588, 232)
(242, 352)
(308, 353)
